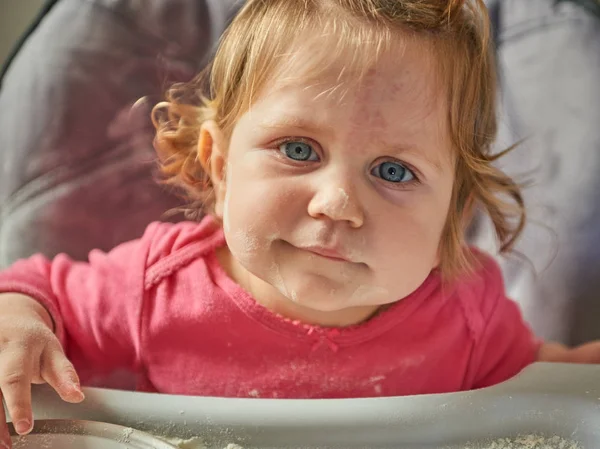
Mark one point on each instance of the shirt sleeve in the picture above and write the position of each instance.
(505, 344)
(95, 305)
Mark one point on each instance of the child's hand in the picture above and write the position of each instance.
(588, 353)
(30, 353)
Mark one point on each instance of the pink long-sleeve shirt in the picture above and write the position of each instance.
(162, 312)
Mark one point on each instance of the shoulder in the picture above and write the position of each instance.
(480, 291)
(174, 245)
(169, 238)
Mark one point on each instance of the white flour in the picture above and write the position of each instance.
(125, 437)
(194, 443)
(528, 442)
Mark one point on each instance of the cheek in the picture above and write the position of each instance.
(414, 223)
(406, 245)
(258, 197)
(243, 223)
(408, 241)
(244, 243)
(259, 209)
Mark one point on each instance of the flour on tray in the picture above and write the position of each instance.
(191, 443)
(528, 442)
(194, 443)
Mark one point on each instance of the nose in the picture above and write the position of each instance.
(337, 202)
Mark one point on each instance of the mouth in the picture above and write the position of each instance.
(327, 253)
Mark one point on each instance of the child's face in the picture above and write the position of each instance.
(337, 198)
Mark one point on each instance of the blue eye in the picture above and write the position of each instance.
(298, 151)
(393, 172)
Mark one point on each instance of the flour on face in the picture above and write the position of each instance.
(226, 222)
(366, 293)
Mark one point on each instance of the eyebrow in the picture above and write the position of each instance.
(297, 123)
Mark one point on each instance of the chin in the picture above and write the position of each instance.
(320, 301)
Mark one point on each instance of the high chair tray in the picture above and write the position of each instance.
(546, 406)
(73, 434)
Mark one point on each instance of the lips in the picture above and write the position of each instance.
(329, 253)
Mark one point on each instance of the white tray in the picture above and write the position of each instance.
(546, 399)
(72, 434)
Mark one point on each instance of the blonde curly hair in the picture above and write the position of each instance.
(250, 55)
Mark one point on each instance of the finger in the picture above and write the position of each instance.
(5, 442)
(15, 383)
(60, 373)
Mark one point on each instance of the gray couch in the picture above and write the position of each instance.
(76, 162)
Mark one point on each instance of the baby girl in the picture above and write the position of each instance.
(337, 158)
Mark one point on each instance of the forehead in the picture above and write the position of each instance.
(322, 56)
(404, 94)
(402, 69)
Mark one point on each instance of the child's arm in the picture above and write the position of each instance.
(554, 352)
(504, 347)
(507, 346)
(93, 308)
(503, 342)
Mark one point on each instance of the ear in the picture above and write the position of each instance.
(212, 156)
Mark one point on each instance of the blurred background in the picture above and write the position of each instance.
(15, 17)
